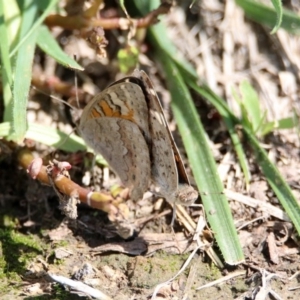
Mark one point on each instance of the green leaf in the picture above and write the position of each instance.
(52, 137)
(6, 68)
(286, 123)
(267, 15)
(128, 58)
(270, 171)
(278, 7)
(276, 181)
(49, 45)
(202, 164)
(250, 101)
(39, 21)
(23, 71)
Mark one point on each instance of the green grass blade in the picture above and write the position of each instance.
(49, 45)
(53, 138)
(59, 140)
(201, 160)
(267, 15)
(286, 123)
(244, 114)
(270, 171)
(251, 103)
(48, 136)
(278, 8)
(202, 164)
(6, 68)
(23, 71)
(36, 25)
(276, 181)
(230, 121)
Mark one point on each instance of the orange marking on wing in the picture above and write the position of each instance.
(106, 110)
(94, 113)
(109, 112)
(129, 116)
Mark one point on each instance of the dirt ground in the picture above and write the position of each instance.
(36, 239)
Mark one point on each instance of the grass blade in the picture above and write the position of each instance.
(230, 121)
(276, 181)
(23, 71)
(53, 138)
(251, 103)
(36, 25)
(278, 7)
(6, 68)
(194, 138)
(202, 164)
(48, 136)
(267, 15)
(270, 171)
(49, 45)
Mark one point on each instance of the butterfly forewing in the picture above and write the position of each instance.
(109, 126)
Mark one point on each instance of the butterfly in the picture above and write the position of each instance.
(126, 124)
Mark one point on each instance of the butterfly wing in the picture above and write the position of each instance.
(163, 168)
(127, 125)
(128, 102)
(114, 125)
(165, 154)
(119, 141)
(156, 105)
